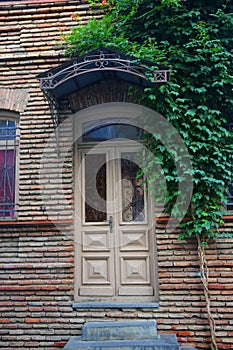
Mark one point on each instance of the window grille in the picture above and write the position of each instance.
(8, 145)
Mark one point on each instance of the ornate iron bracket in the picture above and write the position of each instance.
(54, 110)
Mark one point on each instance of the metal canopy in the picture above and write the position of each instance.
(93, 67)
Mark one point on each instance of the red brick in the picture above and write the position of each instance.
(59, 344)
(32, 320)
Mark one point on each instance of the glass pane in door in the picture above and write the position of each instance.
(95, 188)
(133, 194)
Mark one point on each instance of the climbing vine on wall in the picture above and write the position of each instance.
(194, 38)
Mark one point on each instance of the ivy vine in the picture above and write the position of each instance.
(194, 38)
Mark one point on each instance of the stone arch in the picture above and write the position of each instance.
(13, 99)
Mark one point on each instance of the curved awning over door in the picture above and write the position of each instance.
(95, 66)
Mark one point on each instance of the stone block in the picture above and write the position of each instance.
(163, 342)
(132, 330)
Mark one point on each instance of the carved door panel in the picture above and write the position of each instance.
(115, 234)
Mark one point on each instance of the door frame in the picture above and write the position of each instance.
(91, 117)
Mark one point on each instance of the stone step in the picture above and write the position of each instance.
(132, 330)
(163, 342)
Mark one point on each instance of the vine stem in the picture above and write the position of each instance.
(204, 271)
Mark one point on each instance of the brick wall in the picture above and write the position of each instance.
(181, 292)
(36, 255)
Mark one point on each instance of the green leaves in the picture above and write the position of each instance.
(194, 39)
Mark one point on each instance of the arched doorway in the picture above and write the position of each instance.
(114, 238)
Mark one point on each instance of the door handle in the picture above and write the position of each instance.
(111, 223)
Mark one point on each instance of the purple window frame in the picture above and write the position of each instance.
(8, 145)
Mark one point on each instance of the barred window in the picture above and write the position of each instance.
(8, 152)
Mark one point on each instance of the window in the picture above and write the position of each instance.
(8, 152)
(113, 131)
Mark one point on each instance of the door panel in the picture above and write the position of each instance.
(115, 261)
(95, 241)
(133, 240)
(96, 257)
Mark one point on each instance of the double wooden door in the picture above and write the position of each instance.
(115, 257)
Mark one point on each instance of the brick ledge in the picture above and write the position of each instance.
(36, 223)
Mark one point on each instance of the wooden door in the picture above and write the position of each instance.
(115, 255)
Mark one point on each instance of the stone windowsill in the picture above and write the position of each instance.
(114, 305)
